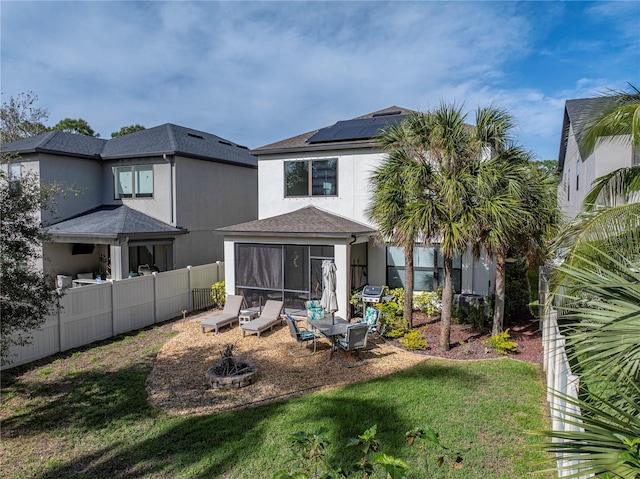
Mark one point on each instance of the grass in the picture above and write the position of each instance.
(95, 422)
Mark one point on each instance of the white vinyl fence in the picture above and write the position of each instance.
(95, 312)
(559, 377)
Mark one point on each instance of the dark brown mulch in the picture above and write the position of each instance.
(468, 344)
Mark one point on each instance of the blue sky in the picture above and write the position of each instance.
(259, 72)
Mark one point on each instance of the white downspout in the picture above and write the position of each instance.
(171, 162)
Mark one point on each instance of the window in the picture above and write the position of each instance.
(568, 185)
(636, 155)
(15, 171)
(311, 178)
(133, 181)
(577, 175)
(428, 269)
(292, 273)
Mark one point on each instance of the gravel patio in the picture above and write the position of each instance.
(178, 385)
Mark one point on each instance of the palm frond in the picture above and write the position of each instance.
(613, 188)
(601, 439)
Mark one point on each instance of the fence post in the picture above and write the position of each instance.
(113, 310)
(155, 297)
(59, 324)
(189, 288)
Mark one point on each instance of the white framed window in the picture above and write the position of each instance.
(133, 181)
(577, 175)
(311, 178)
(636, 155)
(15, 171)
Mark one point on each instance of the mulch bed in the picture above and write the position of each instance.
(178, 384)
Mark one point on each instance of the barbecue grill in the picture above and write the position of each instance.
(372, 294)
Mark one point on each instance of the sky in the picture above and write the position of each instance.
(259, 72)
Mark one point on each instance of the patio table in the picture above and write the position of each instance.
(330, 329)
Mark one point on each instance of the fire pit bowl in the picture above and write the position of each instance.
(229, 373)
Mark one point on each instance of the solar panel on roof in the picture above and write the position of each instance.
(358, 129)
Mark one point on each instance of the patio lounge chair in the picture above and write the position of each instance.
(268, 318)
(302, 336)
(228, 316)
(354, 340)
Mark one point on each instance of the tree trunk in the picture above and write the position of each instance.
(498, 313)
(408, 285)
(447, 300)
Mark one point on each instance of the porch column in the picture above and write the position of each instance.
(343, 265)
(119, 261)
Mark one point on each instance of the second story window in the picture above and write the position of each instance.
(133, 181)
(311, 178)
(577, 175)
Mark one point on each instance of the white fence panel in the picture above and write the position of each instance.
(134, 304)
(95, 312)
(46, 341)
(172, 294)
(85, 315)
(206, 275)
(560, 381)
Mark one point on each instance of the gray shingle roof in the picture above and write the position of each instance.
(299, 142)
(58, 142)
(576, 113)
(307, 221)
(177, 140)
(164, 139)
(111, 221)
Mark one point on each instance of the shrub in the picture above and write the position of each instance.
(517, 292)
(414, 340)
(218, 294)
(429, 302)
(501, 343)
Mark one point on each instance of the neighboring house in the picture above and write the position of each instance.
(151, 198)
(576, 169)
(313, 194)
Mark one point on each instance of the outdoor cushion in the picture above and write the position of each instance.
(314, 309)
(371, 316)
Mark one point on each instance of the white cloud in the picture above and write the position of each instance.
(258, 72)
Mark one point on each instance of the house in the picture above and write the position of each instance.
(313, 195)
(577, 169)
(149, 199)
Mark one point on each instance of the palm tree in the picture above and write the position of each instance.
(444, 174)
(391, 187)
(596, 290)
(601, 301)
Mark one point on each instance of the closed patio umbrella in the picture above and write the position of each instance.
(329, 299)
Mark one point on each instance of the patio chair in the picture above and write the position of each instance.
(268, 318)
(372, 317)
(228, 316)
(354, 340)
(302, 336)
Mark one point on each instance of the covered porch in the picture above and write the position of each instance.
(110, 242)
(281, 258)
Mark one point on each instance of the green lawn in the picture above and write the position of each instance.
(75, 418)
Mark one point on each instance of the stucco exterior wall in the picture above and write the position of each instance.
(158, 207)
(609, 154)
(79, 179)
(354, 169)
(210, 195)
